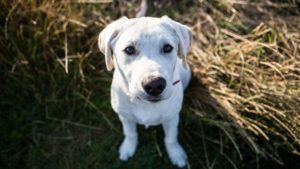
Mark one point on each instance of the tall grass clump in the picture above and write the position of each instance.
(247, 62)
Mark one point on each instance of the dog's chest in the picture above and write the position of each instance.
(145, 113)
(153, 113)
(147, 116)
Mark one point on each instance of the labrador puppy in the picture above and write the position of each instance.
(149, 56)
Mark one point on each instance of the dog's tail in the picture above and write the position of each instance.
(143, 9)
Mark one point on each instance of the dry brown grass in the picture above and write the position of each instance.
(252, 75)
(245, 59)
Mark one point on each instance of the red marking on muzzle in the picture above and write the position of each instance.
(177, 81)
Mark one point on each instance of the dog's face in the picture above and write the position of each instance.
(145, 51)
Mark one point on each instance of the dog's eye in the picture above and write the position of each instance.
(167, 48)
(130, 50)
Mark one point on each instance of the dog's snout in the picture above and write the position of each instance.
(153, 85)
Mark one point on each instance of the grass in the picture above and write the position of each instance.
(240, 111)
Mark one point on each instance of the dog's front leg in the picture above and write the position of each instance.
(128, 146)
(174, 149)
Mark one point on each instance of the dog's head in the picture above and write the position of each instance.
(144, 51)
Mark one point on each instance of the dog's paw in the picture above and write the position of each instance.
(176, 154)
(127, 148)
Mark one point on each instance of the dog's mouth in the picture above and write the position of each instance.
(151, 99)
(154, 100)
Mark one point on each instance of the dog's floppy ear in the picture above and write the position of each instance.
(185, 38)
(105, 38)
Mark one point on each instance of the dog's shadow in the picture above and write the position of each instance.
(205, 126)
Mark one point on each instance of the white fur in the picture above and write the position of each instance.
(128, 99)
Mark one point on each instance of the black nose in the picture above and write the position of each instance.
(154, 86)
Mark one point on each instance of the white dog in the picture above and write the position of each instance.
(151, 71)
